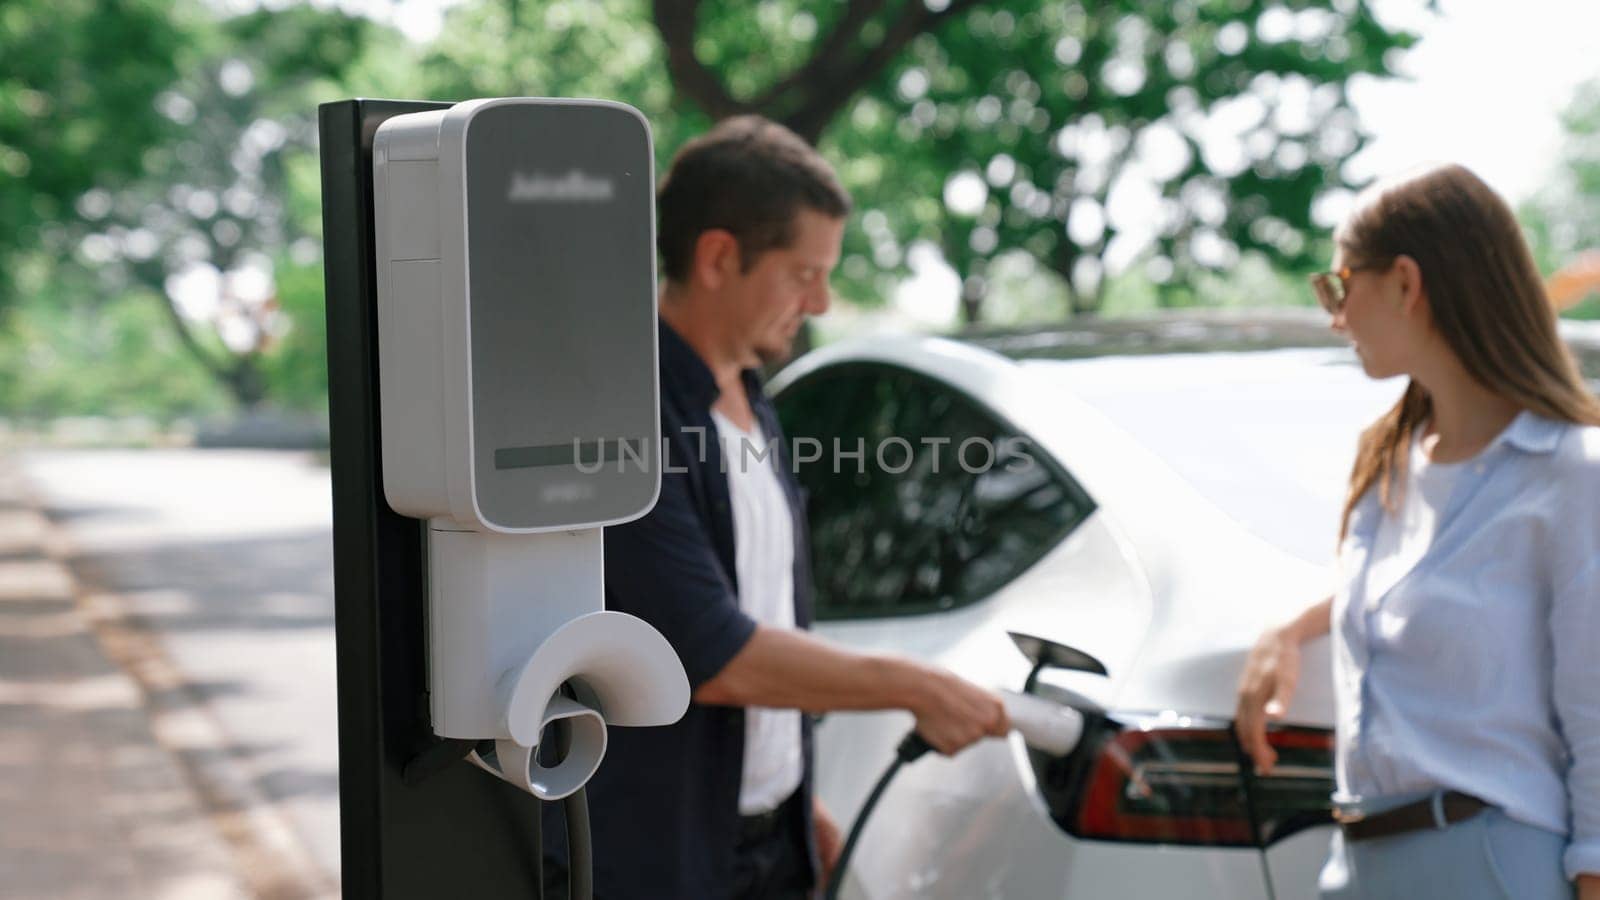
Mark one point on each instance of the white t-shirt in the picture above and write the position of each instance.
(1403, 538)
(763, 542)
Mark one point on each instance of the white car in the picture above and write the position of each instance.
(1153, 513)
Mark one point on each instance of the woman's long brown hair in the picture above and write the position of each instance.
(1487, 301)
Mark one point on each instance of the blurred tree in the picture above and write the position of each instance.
(805, 89)
(560, 48)
(77, 84)
(1563, 218)
(1093, 136)
(229, 198)
(62, 356)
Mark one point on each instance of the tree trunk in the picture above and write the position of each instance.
(1062, 262)
(810, 97)
(246, 383)
(973, 292)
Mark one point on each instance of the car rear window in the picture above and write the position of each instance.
(1269, 437)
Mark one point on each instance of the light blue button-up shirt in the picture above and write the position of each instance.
(1479, 671)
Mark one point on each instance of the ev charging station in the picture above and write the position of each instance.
(493, 406)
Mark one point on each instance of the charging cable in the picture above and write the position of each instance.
(912, 747)
(575, 809)
(580, 868)
(1045, 725)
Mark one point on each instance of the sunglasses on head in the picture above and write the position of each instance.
(1332, 287)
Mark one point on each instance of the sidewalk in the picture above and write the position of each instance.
(93, 805)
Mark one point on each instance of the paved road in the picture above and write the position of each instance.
(227, 556)
(94, 804)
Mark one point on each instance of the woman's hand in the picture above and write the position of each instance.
(1265, 690)
(1271, 672)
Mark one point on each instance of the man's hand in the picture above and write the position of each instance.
(1588, 887)
(830, 841)
(780, 668)
(953, 713)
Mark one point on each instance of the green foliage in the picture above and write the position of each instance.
(1050, 108)
(60, 356)
(1227, 120)
(233, 193)
(157, 136)
(229, 179)
(754, 46)
(63, 354)
(1587, 310)
(296, 367)
(1562, 220)
(563, 48)
(78, 81)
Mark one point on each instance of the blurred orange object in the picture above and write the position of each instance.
(1575, 281)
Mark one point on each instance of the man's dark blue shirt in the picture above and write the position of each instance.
(664, 806)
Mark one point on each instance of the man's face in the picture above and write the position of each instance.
(785, 286)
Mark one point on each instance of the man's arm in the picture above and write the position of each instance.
(663, 569)
(784, 669)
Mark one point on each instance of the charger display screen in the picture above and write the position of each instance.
(561, 276)
(585, 455)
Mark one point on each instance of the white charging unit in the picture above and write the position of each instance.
(519, 399)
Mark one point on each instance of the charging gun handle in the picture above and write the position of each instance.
(1044, 724)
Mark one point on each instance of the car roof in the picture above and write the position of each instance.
(1178, 331)
(1209, 330)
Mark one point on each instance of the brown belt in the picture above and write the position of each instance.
(1453, 807)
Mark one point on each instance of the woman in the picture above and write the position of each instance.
(1466, 622)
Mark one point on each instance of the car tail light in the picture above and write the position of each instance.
(1180, 781)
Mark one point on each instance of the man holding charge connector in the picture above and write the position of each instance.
(720, 805)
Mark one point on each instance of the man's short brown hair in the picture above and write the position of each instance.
(749, 176)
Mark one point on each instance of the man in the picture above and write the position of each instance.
(720, 804)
